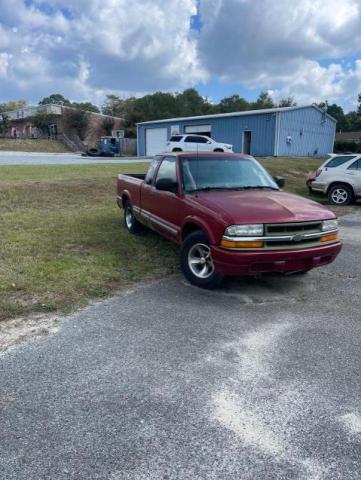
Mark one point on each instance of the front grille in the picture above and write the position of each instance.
(277, 229)
(292, 229)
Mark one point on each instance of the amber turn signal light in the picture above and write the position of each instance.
(231, 244)
(329, 238)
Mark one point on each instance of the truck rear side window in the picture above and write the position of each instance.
(168, 169)
(175, 138)
(151, 170)
(337, 161)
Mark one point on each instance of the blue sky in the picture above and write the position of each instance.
(85, 49)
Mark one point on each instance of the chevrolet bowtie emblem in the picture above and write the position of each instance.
(298, 238)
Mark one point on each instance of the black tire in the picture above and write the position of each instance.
(93, 152)
(176, 150)
(198, 240)
(340, 194)
(130, 222)
(218, 150)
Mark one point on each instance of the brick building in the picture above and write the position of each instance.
(20, 124)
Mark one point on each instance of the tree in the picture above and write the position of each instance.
(13, 105)
(86, 106)
(287, 102)
(264, 100)
(352, 122)
(4, 124)
(128, 109)
(359, 104)
(42, 120)
(190, 103)
(108, 125)
(234, 103)
(337, 112)
(56, 98)
(113, 106)
(77, 120)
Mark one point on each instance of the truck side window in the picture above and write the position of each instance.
(151, 170)
(167, 169)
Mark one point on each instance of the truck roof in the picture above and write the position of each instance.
(207, 154)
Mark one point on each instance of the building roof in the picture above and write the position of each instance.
(348, 136)
(51, 108)
(237, 114)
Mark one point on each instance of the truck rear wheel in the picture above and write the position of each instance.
(130, 222)
(196, 262)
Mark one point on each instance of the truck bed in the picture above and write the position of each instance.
(140, 176)
(131, 184)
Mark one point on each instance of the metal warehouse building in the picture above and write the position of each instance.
(290, 131)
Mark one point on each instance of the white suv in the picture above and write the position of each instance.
(196, 143)
(339, 178)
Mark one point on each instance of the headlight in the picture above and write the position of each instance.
(244, 231)
(329, 225)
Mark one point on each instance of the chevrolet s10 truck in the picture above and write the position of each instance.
(229, 216)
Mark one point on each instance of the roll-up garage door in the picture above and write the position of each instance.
(155, 140)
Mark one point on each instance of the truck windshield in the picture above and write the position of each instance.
(231, 173)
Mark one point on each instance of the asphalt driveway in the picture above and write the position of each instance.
(259, 380)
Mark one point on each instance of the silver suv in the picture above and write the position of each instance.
(339, 178)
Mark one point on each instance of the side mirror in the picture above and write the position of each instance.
(209, 142)
(280, 181)
(167, 185)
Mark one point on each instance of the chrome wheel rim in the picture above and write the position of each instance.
(129, 218)
(339, 195)
(200, 261)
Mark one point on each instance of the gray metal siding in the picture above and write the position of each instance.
(312, 133)
(227, 130)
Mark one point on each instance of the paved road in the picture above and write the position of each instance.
(24, 158)
(259, 380)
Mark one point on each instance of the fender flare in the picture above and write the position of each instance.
(191, 219)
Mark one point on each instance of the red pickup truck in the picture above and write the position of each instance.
(229, 216)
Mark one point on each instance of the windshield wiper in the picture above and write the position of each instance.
(249, 187)
(246, 187)
(206, 189)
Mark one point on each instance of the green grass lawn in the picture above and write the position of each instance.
(31, 145)
(295, 171)
(61, 237)
(62, 242)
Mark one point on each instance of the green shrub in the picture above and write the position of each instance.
(347, 146)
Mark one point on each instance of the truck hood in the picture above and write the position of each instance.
(262, 206)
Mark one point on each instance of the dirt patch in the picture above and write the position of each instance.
(342, 211)
(19, 330)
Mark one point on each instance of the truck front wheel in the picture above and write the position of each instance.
(196, 262)
(130, 222)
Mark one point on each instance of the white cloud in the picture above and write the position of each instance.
(279, 45)
(136, 46)
(87, 48)
(4, 64)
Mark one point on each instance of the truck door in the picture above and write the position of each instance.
(164, 207)
(147, 192)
